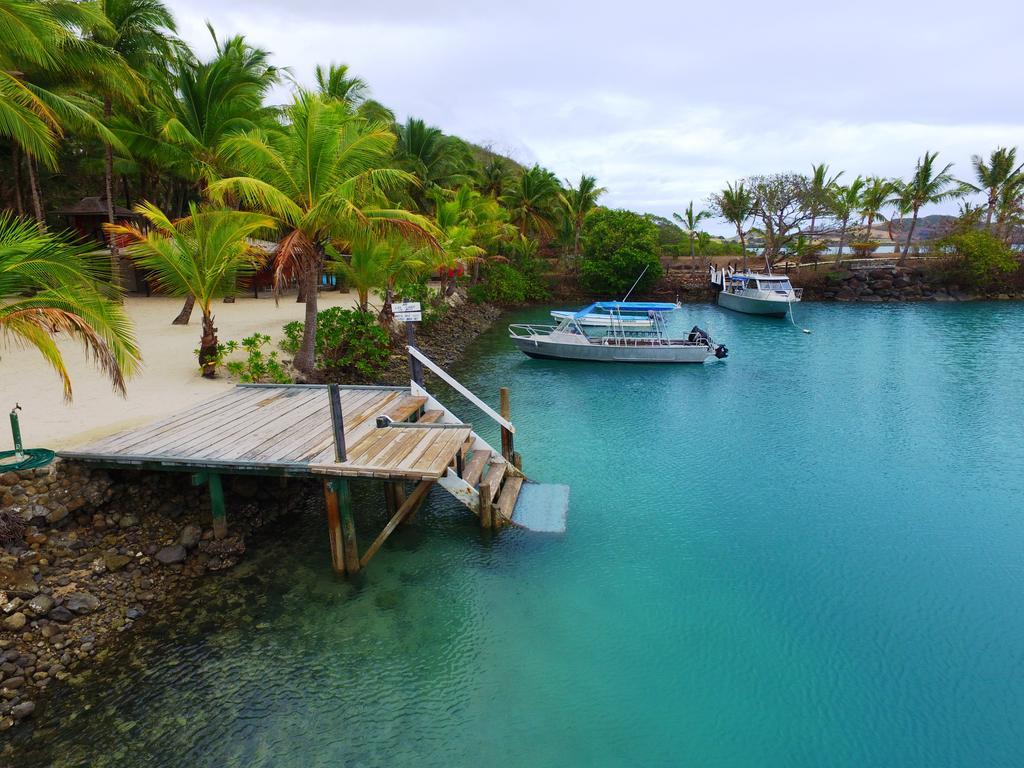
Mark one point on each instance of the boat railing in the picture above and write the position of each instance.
(530, 329)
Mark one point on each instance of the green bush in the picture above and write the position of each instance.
(348, 343)
(258, 366)
(618, 245)
(978, 256)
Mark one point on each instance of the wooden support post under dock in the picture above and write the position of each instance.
(217, 509)
(507, 445)
(486, 511)
(341, 527)
(410, 503)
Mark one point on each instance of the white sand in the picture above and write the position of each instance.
(169, 382)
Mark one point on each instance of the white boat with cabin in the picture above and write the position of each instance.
(612, 340)
(755, 293)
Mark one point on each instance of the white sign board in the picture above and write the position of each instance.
(407, 311)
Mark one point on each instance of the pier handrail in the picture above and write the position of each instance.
(445, 377)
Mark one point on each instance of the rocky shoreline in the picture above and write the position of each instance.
(102, 549)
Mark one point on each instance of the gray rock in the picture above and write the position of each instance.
(127, 521)
(13, 683)
(61, 614)
(15, 621)
(23, 710)
(82, 602)
(40, 604)
(171, 555)
(190, 536)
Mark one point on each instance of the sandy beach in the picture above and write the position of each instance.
(169, 381)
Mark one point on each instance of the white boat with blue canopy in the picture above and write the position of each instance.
(624, 314)
(754, 293)
(610, 339)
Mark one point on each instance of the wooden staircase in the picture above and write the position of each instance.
(496, 482)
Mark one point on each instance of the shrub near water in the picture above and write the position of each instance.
(348, 343)
(979, 257)
(618, 245)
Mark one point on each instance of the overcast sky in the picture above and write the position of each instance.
(666, 101)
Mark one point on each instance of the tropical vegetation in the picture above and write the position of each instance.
(102, 98)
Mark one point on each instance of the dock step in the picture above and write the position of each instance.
(406, 407)
(493, 477)
(474, 468)
(542, 508)
(430, 417)
(509, 494)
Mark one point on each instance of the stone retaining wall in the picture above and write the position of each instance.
(892, 284)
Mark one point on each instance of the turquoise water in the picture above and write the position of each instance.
(809, 554)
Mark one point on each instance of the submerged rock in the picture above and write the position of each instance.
(40, 604)
(82, 602)
(171, 555)
(190, 536)
(15, 621)
(115, 562)
(60, 614)
(23, 710)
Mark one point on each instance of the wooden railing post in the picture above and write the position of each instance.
(507, 444)
(415, 368)
(338, 421)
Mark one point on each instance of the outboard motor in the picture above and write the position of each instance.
(698, 335)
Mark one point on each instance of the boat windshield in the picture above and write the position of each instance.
(775, 285)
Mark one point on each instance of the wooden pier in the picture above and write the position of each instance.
(401, 435)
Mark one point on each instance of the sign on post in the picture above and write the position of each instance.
(407, 311)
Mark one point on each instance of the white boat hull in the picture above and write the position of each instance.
(543, 347)
(773, 307)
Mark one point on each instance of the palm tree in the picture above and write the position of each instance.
(577, 202)
(51, 285)
(213, 101)
(844, 202)
(43, 54)
(926, 187)
(873, 200)
(139, 33)
(493, 176)
(819, 189)
(379, 264)
(324, 179)
(434, 159)
(202, 255)
(993, 176)
(531, 201)
(690, 220)
(334, 82)
(736, 205)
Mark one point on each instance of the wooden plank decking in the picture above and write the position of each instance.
(288, 429)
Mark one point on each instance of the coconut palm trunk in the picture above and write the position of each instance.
(108, 181)
(743, 249)
(305, 360)
(910, 235)
(208, 345)
(186, 311)
(842, 242)
(37, 196)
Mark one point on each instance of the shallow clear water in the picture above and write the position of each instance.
(809, 554)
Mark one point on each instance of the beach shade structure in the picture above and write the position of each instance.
(21, 457)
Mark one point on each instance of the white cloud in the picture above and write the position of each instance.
(665, 101)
